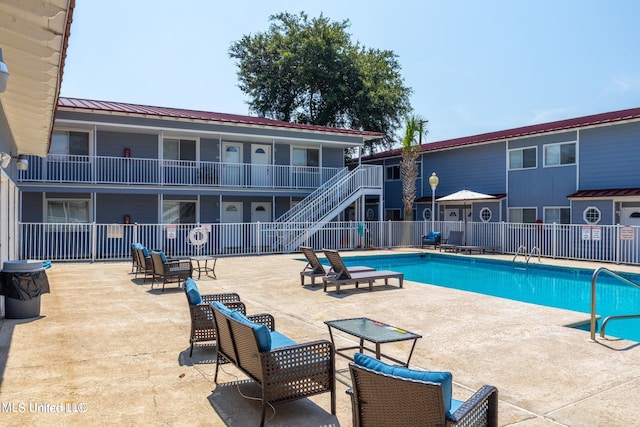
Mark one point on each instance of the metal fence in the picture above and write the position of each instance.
(101, 242)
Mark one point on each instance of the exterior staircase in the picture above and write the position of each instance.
(324, 204)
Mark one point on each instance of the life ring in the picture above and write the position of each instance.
(198, 236)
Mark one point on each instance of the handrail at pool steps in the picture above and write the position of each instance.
(594, 279)
(526, 256)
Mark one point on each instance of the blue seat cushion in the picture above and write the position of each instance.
(443, 378)
(193, 294)
(222, 308)
(261, 332)
(432, 236)
(145, 251)
(163, 257)
(279, 340)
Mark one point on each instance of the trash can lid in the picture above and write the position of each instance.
(22, 266)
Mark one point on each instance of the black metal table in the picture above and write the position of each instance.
(372, 331)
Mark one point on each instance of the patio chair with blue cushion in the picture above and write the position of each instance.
(169, 270)
(434, 239)
(386, 395)
(202, 324)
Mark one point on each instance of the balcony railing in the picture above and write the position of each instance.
(136, 171)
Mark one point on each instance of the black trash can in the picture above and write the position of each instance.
(22, 282)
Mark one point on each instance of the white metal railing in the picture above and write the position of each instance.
(325, 204)
(80, 242)
(138, 171)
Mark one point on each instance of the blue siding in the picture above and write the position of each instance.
(610, 157)
(110, 208)
(112, 144)
(605, 207)
(332, 157)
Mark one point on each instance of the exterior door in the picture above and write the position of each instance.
(260, 165)
(630, 216)
(261, 212)
(231, 234)
(231, 164)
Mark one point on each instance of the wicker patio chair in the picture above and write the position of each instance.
(145, 262)
(169, 270)
(381, 400)
(202, 324)
(284, 372)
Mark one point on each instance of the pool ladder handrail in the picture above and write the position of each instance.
(524, 248)
(534, 249)
(594, 279)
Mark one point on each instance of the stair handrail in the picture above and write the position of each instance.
(533, 249)
(594, 279)
(524, 249)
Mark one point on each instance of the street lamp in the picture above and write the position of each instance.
(433, 182)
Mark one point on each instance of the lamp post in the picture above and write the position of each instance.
(433, 182)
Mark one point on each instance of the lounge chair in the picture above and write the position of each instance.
(453, 242)
(202, 325)
(314, 267)
(169, 270)
(341, 275)
(432, 239)
(385, 395)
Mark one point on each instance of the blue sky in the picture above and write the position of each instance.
(474, 66)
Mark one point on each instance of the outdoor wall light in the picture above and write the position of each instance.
(22, 163)
(4, 160)
(4, 75)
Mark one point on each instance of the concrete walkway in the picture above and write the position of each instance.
(108, 350)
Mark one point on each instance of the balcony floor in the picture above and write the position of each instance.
(108, 341)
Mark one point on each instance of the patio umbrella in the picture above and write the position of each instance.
(464, 196)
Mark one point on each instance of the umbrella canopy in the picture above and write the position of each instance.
(465, 195)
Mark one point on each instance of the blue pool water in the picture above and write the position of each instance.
(567, 288)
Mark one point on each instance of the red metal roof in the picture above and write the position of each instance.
(596, 119)
(606, 193)
(178, 113)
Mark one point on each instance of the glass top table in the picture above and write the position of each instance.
(374, 332)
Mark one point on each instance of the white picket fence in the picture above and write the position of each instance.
(101, 242)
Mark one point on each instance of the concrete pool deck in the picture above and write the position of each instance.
(108, 350)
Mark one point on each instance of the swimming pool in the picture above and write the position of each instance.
(560, 287)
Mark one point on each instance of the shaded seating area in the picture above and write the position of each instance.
(314, 267)
(433, 238)
(341, 275)
(202, 324)
(385, 395)
(283, 369)
(169, 270)
(453, 242)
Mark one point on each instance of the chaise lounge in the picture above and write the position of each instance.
(314, 267)
(453, 242)
(341, 275)
(384, 395)
(282, 368)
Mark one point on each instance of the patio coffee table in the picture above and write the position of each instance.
(206, 269)
(374, 332)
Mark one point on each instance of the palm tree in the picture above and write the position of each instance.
(408, 165)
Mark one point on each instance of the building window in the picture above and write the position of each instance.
(392, 173)
(426, 214)
(178, 212)
(306, 157)
(392, 215)
(591, 215)
(523, 158)
(371, 214)
(69, 143)
(522, 215)
(560, 154)
(179, 149)
(557, 215)
(68, 211)
(485, 214)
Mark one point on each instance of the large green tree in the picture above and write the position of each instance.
(309, 71)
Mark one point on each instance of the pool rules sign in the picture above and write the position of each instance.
(593, 233)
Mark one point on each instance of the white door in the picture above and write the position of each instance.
(261, 212)
(630, 216)
(260, 165)
(232, 164)
(231, 235)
